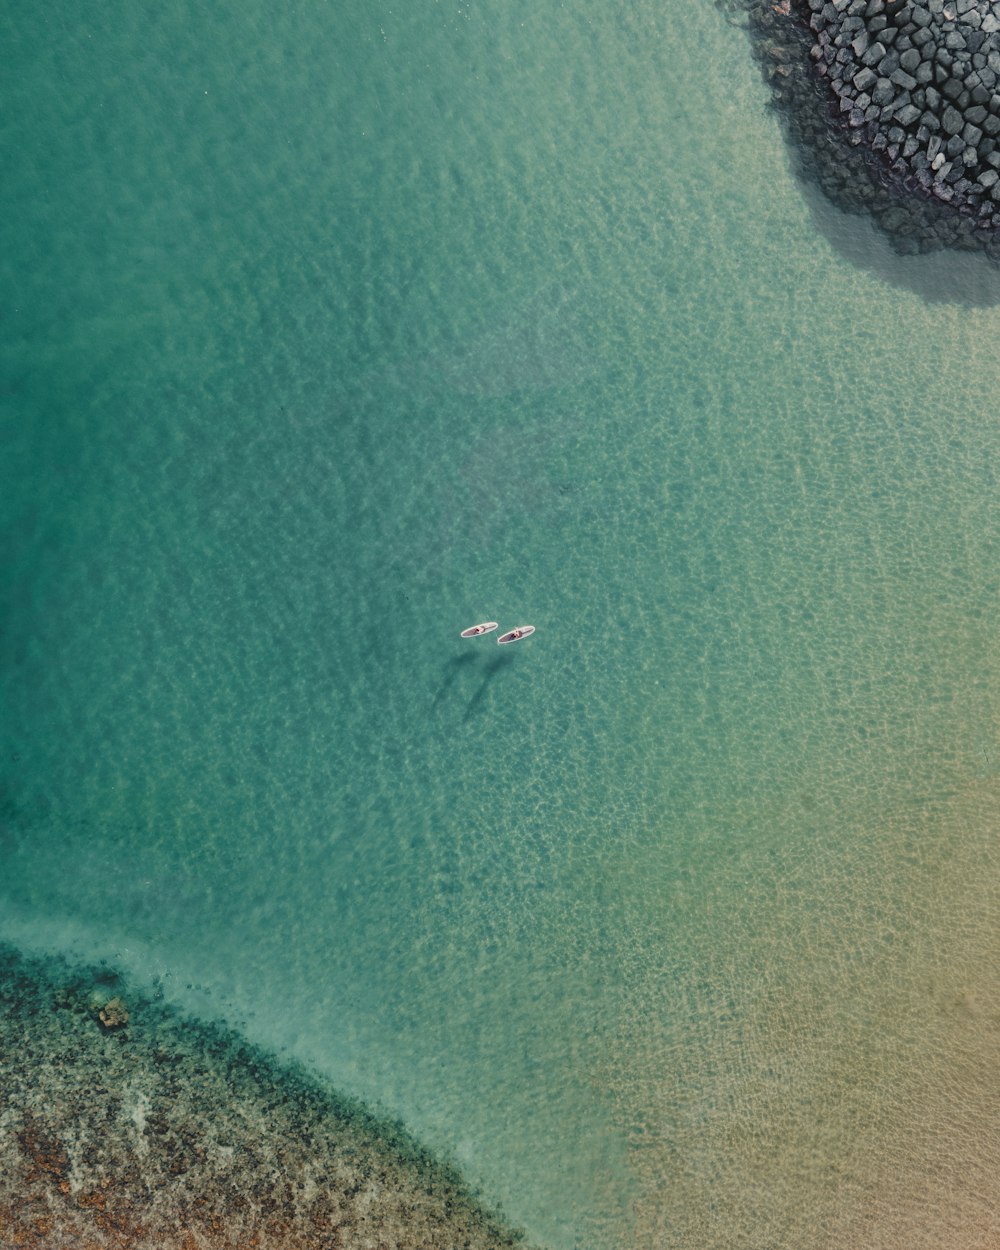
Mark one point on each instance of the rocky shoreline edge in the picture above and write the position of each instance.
(893, 108)
(125, 1125)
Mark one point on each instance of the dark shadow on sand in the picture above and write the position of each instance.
(946, 276)
(453, 670)
(492, 669)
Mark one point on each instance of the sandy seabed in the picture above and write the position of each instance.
(175, 1135)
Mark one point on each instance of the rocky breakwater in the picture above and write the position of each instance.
(918, 83)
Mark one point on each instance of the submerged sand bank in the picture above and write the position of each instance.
(165, 1133)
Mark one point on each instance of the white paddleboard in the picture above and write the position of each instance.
(515, 635)
(474, 631)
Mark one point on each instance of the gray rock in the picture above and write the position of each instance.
(884, 92)
(907, 115)
(991, 24)
(920, 16)
(902, 79)
(909, 60)
(991, 124)
(952, 121)
(955, 41)
(931, 123)
(976, 115)
(860, 44)
(933, 98)
(954, 147)
(972, 134)
(952, 89)
(933, 146)
(988, 178)
(865, 78)
(874, 54)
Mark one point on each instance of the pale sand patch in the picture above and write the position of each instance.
(814, 1063)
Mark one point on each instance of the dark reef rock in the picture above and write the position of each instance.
(174, 1135)
(893, 107)
(114, 1014)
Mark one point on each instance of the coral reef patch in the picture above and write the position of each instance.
(162, 1133)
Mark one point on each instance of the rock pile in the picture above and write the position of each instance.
(918, 82)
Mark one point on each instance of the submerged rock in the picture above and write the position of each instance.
(114, 1014)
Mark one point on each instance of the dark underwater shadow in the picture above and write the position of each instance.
(946, 276)
(492, 670)
(453, 670)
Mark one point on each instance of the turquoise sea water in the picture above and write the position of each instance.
(329, 331)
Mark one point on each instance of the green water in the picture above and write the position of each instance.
(329, 331)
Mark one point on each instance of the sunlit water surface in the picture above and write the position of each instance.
(328, 331)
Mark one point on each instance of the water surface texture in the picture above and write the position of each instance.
(329, 330)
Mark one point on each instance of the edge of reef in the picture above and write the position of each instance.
(125, 1125)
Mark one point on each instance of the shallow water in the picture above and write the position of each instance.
(330, 332)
